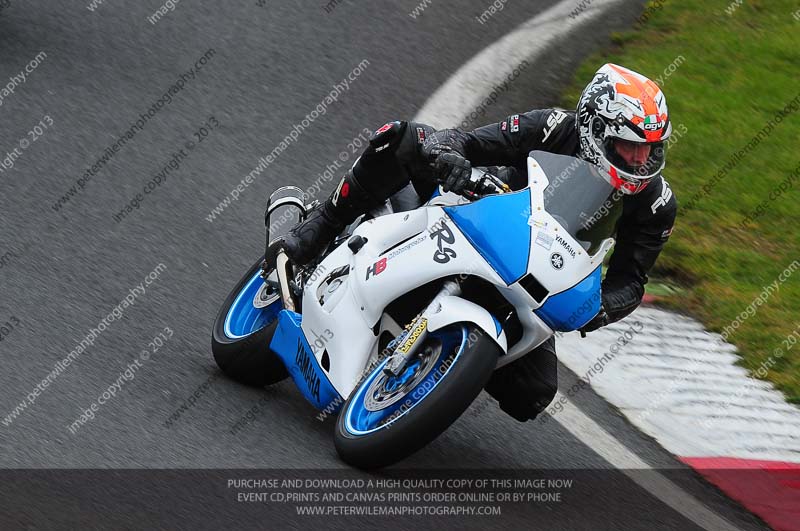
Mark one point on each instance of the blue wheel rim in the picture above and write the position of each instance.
(360, 421)
(243, 317)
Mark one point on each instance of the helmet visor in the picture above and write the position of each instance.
(642, 160)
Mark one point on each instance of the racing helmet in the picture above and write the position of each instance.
(623, 125)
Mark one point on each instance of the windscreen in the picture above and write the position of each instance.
(580, 199)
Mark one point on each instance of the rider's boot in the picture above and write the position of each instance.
(380, 171)
(308, 239)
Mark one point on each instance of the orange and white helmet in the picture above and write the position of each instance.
(619, 113)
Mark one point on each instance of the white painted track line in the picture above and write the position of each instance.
(613, 451)
(681, 385)
(468, 86)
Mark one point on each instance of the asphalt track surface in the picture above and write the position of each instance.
(63, 271)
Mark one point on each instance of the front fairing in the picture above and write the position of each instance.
(547, 240)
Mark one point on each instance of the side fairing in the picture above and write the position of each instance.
(407, 250)
(497, 227)
(292, 346)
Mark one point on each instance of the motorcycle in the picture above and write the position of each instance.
(401, 322)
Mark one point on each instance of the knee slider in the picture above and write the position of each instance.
(527, 395)
(524, 410)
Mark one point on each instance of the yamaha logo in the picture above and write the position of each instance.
(556, 260)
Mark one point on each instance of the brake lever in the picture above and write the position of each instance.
(487, 184)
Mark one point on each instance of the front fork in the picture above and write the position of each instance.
(416, 332)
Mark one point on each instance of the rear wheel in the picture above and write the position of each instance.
(243, 330)
(387, 418)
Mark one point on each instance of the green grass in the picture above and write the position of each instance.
(737, 71)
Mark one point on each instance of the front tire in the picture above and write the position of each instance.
(242, 332)
(387, 419)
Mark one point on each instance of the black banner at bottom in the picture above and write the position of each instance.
(349, 499)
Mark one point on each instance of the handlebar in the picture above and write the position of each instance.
(483, 184)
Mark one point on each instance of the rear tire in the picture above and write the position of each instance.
(243, 354)
(463, 376)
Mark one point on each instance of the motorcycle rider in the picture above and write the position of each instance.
(621, 124)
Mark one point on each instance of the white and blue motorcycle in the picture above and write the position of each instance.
(400, 324)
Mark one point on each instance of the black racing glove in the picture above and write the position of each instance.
(620, 297)
(598, 321)
(451, 168)
(454, 172)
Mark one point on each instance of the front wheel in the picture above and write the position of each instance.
(387, 418)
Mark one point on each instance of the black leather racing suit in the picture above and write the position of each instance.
(396, 157)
